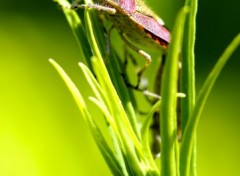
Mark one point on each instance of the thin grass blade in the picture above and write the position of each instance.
(169, 100)
(78, 30)
(104, 148)
(190, 130)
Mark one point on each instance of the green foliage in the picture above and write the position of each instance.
(128, 151)
(191, 127)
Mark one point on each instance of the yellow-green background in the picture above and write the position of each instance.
(41, 131)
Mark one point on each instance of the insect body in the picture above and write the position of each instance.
(134, 21)
(138, 23)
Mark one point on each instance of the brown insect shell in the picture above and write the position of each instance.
(136, 32)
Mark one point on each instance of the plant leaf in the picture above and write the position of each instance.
(78, 30)
(191, 127)
(169, 100)
(104, 148)
(188, 72)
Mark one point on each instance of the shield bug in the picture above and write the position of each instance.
(138, 26)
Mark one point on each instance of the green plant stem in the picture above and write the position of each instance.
(169, 101)
(188, 73)
(188, 62)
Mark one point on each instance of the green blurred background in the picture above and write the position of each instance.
(41, 131)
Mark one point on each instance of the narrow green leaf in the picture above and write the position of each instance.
(95, 33)
(110, 158)
(190, 130)
(145, 134)
(115, 111)
(71, 86)
(78, 30)
(188, 72)
(106, 151)
(101, 103)
(114, 133)
(188, 62)
(169, 100)
(95, 86)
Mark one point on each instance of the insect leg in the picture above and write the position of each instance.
(98, 7)
(146, 56)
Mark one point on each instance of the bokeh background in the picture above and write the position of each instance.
(41, 130)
